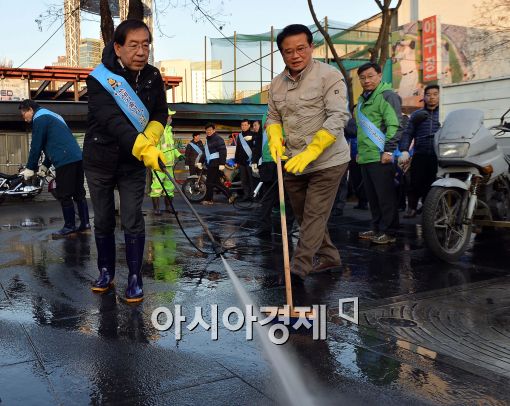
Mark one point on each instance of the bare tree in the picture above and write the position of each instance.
(493, 24)
(338, 60)
(107, 27)
(135, 10)
(380, 51)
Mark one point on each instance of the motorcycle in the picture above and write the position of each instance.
(472, 193)
(195, 186)
(15, 186)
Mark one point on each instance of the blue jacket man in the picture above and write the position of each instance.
(422, 127)
(51, 135)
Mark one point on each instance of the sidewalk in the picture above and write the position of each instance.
(429, 332)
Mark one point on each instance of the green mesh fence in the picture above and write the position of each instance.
(244, 71)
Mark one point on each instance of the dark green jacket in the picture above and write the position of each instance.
(382, 108)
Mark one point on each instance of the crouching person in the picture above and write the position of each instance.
(51, 135)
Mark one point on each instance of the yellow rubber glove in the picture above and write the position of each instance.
(275, 141)
(154, 131)
(320, 141)
(143, 150)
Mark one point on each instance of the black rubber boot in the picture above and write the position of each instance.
(134, 258)
(105, 245)
(83, 213)
(69, 222)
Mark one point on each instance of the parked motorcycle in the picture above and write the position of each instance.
(473, 189)
(195, 187)
(15, 186)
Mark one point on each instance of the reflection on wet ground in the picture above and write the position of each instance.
(429, 332)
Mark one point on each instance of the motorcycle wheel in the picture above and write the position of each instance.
(446, 239)
(194, 190)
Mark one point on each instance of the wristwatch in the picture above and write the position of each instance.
(389, 153)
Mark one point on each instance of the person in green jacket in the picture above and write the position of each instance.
(378, 118)
(172, 154)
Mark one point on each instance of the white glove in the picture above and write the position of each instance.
(199, 165)
(42, 171)
(186, 167)
(27, 173)
(404, 158)
(221, 167)
(248, 138)
(254, 167)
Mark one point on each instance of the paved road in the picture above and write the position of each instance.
(428, 333)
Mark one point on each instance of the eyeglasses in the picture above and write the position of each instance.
(369, 77)
(134, 47)
(299, 50)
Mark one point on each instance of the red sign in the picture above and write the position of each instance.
(429, 48)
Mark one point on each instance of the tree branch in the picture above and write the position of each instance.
(338, 60)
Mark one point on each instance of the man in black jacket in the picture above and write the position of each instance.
(126, 118)
(194, 148)
(243, 157)
(422, 127)
(215, 157)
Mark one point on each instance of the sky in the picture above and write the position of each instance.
(183, 33)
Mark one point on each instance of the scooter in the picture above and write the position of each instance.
(472, 192)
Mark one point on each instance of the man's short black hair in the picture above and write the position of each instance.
(428, 87)
(196, 134)
(293, 29)
(245, 120)
(210, 125)
(367, 66)
(27, 104)
(121, 32)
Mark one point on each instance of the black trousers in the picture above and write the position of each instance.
(356, 181)
(246, 180)
(270, 200)
(70, 179)
(213, 181)
(423, 174)
(379, 181)
(131, 187)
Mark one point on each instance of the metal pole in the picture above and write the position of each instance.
(272, 46)
(326, 58)
(205, 68)
(235, 66)
(260, 43)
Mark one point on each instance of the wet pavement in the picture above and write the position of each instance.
(428, 333)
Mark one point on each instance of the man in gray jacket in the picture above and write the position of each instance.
(307, 102)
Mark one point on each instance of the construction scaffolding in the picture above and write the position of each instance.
(72, 10)
(249, 62)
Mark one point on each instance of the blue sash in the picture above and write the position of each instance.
(373, 133)
(208, 156)
(42, 112)
(264, 142)
(245, 146)
(196, 148)
(124, 96)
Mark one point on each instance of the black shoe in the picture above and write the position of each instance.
(297, 274)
